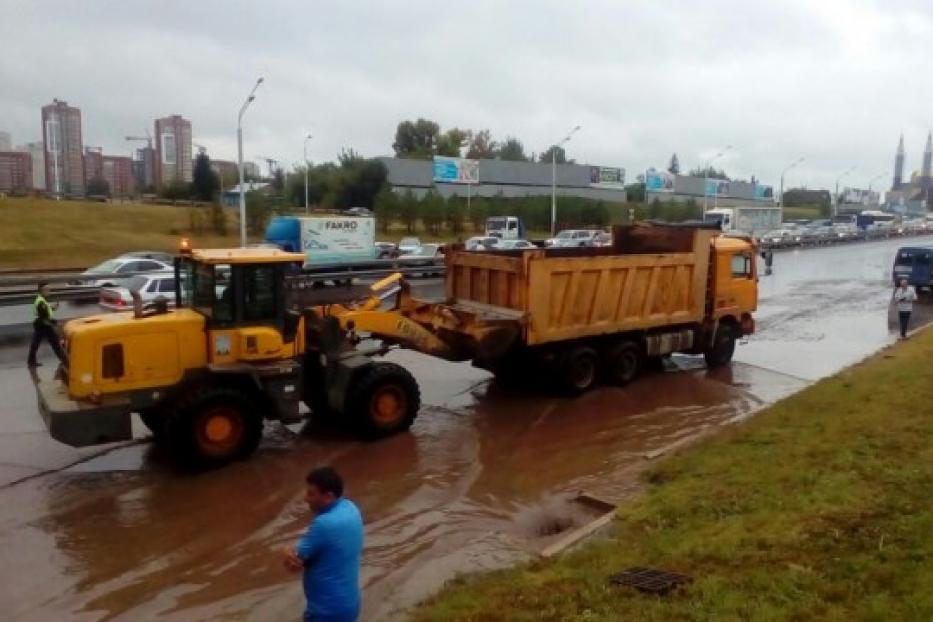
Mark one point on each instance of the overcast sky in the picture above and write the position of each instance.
(834, 81)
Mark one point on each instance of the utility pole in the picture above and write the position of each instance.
(789, 166)
(239, 152)
(706, 176)
(554, 178)
(307, 166)
(836, 195)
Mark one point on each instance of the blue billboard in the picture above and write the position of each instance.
(455, 170)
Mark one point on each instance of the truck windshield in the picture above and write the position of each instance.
(495, 224)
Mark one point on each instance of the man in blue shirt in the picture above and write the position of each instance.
(329, 552)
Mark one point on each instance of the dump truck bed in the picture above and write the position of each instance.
(650, 278)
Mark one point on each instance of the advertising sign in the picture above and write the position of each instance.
(717, 188)
(455, 170)
(327, 240)
(764, 193)
(607, 177)
(659, 181)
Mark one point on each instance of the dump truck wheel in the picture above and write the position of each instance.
(383, 399)
(723, 347)
(578, 370)
(623, 362)
(213, 425)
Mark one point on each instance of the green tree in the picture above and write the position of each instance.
(386, 208)
(98, 186)
(451, 142)
(204, 181)
(635, 192)
(512, 149)
(408, 211)
(176, 190)
(416, 139)
(482, 146)
(557, 151)
(709, 171)
(431, 212)
(258, 212)
(278, 180)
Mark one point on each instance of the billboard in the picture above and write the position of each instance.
(857, 195)
(337, 239)
(717, 188)
(659, 181)
(455, 170)
(607, 177)
(764, 193)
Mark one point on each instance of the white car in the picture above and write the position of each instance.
(430, 253)
(482, 243)
(511, 245)
(112, 272)
(407, 246)
(570, 238)
(150, 287)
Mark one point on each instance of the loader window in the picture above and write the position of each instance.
(259, 300)
(211, 291)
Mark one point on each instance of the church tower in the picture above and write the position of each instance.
(899, 165)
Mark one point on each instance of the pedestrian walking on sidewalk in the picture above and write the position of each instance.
(329, 552)
(43, 327)
(904, 297)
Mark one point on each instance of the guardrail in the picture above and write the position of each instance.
(21, 289)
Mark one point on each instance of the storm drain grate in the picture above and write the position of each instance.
(650, 580)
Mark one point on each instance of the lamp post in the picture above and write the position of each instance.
(789, 166)
(239, 154)
(554, 178)
(706, 175)
(307, 138)
(836, 195)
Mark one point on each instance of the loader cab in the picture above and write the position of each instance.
(240, 293)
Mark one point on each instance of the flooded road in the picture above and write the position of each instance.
(114, 533)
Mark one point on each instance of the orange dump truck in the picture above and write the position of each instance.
(583, 315)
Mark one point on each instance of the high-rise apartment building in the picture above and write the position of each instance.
(144, 168)
(15, 172)
(117, 171)
(93, 164)
(64, 157)
(6, 141)
(173, 150)
(37, 152)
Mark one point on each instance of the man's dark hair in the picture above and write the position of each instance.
(42, 284)
(326, 479)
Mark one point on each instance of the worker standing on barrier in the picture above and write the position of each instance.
(43, 327)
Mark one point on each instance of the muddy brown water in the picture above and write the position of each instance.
(480, 482)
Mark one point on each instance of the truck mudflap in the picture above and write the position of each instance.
(81, 424)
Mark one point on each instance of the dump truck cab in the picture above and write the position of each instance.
(204, 376)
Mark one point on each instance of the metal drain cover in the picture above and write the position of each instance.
(650, 580)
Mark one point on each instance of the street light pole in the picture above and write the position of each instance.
(706, 175)
(239, 153)
(789, 166)
(554, 178)
(836, 195)
(307, 138)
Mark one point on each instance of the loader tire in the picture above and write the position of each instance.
(155, 421)
(382, 400)
(212, 425)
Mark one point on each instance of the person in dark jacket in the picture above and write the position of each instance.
(43, 327)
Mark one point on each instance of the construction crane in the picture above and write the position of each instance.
(147, 138)
(271, 162)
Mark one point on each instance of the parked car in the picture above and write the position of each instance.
(113, 271)
(430, 253)
(511, 245)
(482, 242)
(602, 239)
(408, 245)
(386, 250)
(572, 238)
(157, 255)
(149, 286)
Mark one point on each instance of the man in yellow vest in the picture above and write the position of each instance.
(43, 327)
